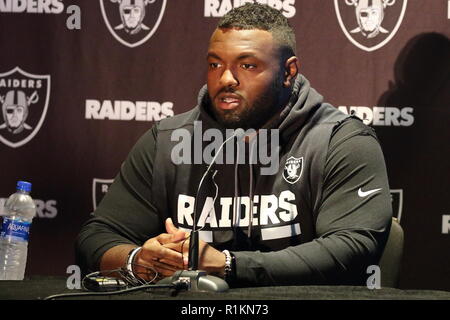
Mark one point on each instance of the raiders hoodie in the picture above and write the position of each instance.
(322, 218)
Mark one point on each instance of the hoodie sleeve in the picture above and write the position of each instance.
(352, 222)
(126, 214)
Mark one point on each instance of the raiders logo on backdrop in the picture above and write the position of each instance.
(24, 99)
(293, 169)
(99, 189)
(370, 24)
(132, 22)
(397, 203)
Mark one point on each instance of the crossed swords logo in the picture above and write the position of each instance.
(4, 100)
(370, 15)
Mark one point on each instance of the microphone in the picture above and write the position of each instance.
(198, 280)
(194, 243)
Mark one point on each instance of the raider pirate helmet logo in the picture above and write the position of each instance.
(99, 189)
(24, 99)
(293, 169)
(132, 22)
(370, 24)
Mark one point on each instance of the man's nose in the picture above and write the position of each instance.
(229, 79)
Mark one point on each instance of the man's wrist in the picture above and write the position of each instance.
(130, 261)
(230, 266)
(227, 268)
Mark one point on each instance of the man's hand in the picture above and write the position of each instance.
(155, 254)
(210, 260)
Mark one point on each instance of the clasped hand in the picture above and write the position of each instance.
(168, 252)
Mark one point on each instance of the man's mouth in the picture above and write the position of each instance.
(228, 101)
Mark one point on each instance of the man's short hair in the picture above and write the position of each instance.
(263, 17)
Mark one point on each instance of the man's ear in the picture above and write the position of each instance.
(290, 71)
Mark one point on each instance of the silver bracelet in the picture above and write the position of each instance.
(228, 267)
(130, 260)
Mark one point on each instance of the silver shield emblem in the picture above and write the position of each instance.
(99, 189)
(293, 169)
(370, 24)
(397, 203)
(24, 99)
(132, 22)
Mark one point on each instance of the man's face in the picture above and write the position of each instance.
(15, 115)
(131, 15)
(244, 79)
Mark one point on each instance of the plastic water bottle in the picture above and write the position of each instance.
(19, 212)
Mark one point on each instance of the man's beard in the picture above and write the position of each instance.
(255, 115)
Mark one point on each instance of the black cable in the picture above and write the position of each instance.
(136, 283)
(110, 293)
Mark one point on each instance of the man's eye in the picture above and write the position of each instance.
(213, 65)
(248, 66)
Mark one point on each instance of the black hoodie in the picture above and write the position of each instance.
(322, 218)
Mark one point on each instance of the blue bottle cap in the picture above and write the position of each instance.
(23, 185)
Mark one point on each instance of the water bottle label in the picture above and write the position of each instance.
(19, 230)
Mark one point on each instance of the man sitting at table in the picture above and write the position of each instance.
(323, 214)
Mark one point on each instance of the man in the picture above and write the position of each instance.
(322, 218)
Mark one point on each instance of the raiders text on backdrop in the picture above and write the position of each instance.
(21, 83)
(32, 6)
(382, 116)
(218, 8)
(73, 22)
(44, 209)
(128, 110)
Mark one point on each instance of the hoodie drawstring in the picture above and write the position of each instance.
(236, 191)
(250, 222)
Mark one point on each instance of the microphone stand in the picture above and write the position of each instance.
(196, 280)
(199, 280)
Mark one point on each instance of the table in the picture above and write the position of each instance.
(39, 287)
